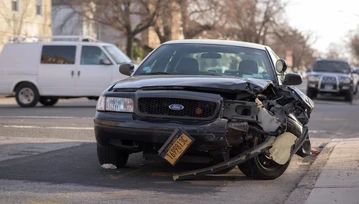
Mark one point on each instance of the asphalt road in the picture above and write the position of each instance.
(48, 155)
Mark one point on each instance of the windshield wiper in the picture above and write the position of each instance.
(212, 74)
(157, 73)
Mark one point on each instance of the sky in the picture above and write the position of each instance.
(329, 20)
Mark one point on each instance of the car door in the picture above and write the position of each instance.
(56, 75)
(94, 71)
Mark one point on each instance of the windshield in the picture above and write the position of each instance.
(117, 54)
(205, 59)
(331, 66)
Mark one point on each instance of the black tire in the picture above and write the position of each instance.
(356, 89)
(349, 96)
(311, 93)
(26, 95)
(48, 101)
(111, 155)
(305, 149)
(255, 168)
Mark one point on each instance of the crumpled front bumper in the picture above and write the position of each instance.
(113, 127)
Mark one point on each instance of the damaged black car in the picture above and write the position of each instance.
(224, 103)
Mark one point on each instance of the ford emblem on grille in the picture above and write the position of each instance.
(176, 107)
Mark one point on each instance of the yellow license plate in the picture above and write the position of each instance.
(179, 142)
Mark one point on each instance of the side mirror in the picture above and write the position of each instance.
(292, 79)
(105, 62)
(281, 66)
(126, 69)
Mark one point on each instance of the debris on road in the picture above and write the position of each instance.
(109, 166)
(315, 152)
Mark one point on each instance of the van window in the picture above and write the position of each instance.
(58, 54)
(92, 55)
(117, 54)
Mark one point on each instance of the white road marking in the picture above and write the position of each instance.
(53, 127)
(317, 131)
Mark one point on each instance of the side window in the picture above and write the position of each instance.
(58, 54)
(92, 55)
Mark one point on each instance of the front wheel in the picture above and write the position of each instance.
(349, 96)
(111, 155)
(262, 167)
(356, 89)
(311, 93)
(47, 101)
(305, 149)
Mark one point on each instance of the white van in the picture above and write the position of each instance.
(46, 71)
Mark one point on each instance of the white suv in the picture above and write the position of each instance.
(46, 71)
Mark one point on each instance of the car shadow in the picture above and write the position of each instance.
(326, 98)
(79, 165)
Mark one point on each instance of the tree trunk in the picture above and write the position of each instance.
(129, 46)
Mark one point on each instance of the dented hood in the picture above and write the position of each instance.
(222, 83)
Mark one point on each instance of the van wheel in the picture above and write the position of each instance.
(48, 101)
(27, 95)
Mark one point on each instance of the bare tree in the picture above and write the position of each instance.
(15, 20)
(334, 51)
(299, 43)
(164, 23)
(354, 45)
(200, 15)
(253, 20)
(130, 17)
(196, 16)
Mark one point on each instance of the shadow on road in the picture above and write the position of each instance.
(79, 165)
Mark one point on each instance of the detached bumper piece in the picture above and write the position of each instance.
(249, 154)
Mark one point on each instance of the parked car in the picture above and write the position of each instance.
(174, 108)
(332, 76)
(47, 71)
(355, 71)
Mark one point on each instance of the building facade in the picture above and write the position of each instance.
(67, 22)
(24, 18)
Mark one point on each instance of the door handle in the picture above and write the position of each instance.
(78, 73)
(72, 73)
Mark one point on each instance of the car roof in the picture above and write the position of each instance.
(64, 43)
(218, 42)
(331, 60)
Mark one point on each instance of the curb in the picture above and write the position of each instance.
(307, 182)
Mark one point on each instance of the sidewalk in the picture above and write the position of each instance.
(7, 101)
(339, 180)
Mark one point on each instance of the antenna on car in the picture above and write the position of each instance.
(17, 39)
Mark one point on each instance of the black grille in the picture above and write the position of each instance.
(333, 86)
(329, 79)
(191, 108)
